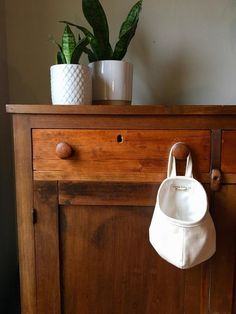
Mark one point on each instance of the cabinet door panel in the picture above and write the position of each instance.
(108, 265)
(228, 164)
(223, 284)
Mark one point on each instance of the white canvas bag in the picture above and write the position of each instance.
(182, 231)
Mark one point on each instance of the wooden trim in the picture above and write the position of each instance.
(119, 177)
(107, 193)
(137, 122)
(47, 248)
(23, 173)
(124, 110)
(229, 178)
(216, 148)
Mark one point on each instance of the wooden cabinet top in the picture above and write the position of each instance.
(123, 110)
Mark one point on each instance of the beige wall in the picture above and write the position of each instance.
(184, 51)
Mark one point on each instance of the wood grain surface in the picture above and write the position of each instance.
(24, 198)
(224, 262)
(47, 248)
(143, 109)
(87, 251)
(228, 164)
(98, 154)
(109, 266)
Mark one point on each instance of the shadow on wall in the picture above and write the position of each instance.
(21, 91)
(167, 77)
(9, 281)
(173, 81)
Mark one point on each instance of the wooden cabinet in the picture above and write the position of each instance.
(86, 182)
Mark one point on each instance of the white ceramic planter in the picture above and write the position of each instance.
(71, 84)
(112, 81)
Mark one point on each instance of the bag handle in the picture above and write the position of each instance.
(171, 170)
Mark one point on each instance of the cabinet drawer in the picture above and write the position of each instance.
(228, 157)
(114, 155)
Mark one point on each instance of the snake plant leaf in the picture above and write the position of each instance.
(61, 59)
(96, 17)
(60, 55)
(127, 31)
(131, 19)
(92, 40)
(86, 32)
(123, 43)
(97, 53)
(79, 50)
(90, 54)
(68, 43)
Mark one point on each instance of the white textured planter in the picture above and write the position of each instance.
(112, 81)
(71, 84)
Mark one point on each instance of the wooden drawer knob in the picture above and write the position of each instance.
(180, 151)
(64, 150)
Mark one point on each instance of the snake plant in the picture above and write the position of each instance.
(70, 50)
(99, 38)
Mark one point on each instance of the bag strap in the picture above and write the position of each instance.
(171, 170)
(189, 166)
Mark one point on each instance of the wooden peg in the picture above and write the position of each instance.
(180, 151)
(64, 150)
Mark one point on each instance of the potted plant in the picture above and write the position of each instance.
(112, 77)
(71, 82)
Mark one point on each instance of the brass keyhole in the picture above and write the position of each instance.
(215, 179)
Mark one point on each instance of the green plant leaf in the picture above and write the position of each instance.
(68, 43)
(92, 40)
(79, 50)
(93, 43)
(86, 32)
(131, 19)
(127, 31)
(60, 55)
(91, 56)
(61, 59)
(96, 17)
(123, 43)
